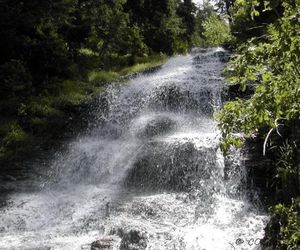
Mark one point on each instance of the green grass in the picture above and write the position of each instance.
(142, 64)
(102, 76)
(14, 139)
(88, 52)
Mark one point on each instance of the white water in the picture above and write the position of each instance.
(150, 164)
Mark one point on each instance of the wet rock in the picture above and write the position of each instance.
(202, 55)
(133, 240)
(223, 55)
(174, 98)
(105, 243)
(195, 51)
(144, 210)
(199, 59)
(236, 91)
(158, 126)
(9, 178)
(171, 166)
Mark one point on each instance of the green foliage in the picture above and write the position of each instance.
(73, 93)
(102, 76)
(272, 68)
(167, 26)
(38, 107)
(216, 31)
(288, 171)
(142, 63)
(284, 227)
(211, 27)
(15, 79)
(15, 136)
(187, 12)
(249, 18)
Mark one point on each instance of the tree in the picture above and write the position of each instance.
(159, 23)
(225, 7)
(186, 10)
(30, 31)
(216, 31)
(250, 18)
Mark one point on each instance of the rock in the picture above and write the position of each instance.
(236, 91)
(158, 126)
(223, 55)
(198, 50)
(9, 178)
(165, 166)
(133, 240)
(105, 243)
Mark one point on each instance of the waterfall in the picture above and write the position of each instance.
(147, 174)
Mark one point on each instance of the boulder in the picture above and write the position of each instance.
(157, 126)
(171, 166)
(105, 243)
(133, 240)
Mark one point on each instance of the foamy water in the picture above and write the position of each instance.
(151, 164)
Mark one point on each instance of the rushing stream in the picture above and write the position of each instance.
(149, 175)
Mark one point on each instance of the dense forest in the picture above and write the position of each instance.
(56, 55)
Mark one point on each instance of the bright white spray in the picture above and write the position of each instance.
(151, 163)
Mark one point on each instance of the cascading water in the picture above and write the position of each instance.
(149, 175)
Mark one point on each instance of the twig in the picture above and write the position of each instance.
(270, 132)
(277, 125)
(266, 140)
